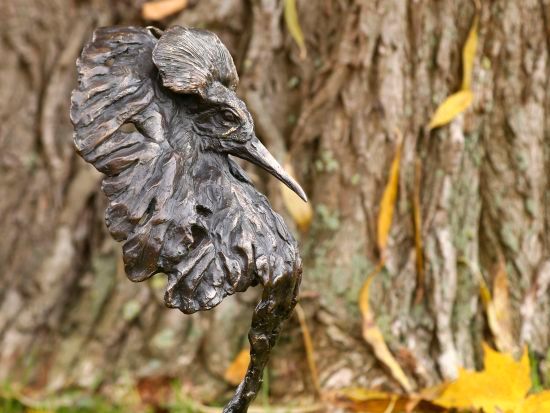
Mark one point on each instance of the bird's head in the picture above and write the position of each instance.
(195, 63)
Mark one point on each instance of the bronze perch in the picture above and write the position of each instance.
(157, 113)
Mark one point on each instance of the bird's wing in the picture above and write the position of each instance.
(120, 114)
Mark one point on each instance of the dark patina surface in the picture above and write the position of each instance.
(157, 113)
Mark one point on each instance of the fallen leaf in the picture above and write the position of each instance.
(371, 332)
(389, 198)
(158, 10)
(503, 384)
(300, 211)
(293, 24)
(498, 312)
(468, 55)
(367, 400)
(458, 102)
(373, 336)
(308, 345)
(237, 369)
(453, 106)
(359, 399)
(154, 390)
(535, 403)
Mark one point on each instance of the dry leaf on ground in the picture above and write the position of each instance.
(373, 401)
(154, 390)
(366, 400)
(501, 387)
(237, 369)
(373, 336)
(371, 332)
(536, 403)
(158, 10)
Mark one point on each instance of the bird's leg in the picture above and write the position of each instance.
(278, 300)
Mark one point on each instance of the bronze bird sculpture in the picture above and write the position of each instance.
(157, 113)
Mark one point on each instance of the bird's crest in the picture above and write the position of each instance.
(189, 60)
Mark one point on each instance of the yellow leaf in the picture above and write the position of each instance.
(308, 344)
(501, 386)
(453, 106)
(293, 24)
(158, 10)
(485, 293)
(389, 197)
(498, 312)
(459, 101)
(468, 55)
(237, 369)
(373, 336)
(360, 394)
(372, 401)
(299, 210)
(536, 403)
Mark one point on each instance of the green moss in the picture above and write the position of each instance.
(328, 219)
(30, 161)
(11, 406)
(318, 63)
(535, 376)
(317, 252)
(509, 237)
(383, 321)
(292, 119)
(159, 281)
(546, 372)
(473, 149)
(530, 207)
(327, 162)
(164, 339)
(104, 269)
(131, 310)
(293, 82)
(522, 161)
(342, 282)
(355, 179)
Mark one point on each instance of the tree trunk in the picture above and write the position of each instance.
(69, 316)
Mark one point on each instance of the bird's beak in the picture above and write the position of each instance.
(258, 154)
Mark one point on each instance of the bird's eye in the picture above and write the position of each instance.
(216, 122)
(229, 116)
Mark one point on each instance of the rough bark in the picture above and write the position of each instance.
(69, 316)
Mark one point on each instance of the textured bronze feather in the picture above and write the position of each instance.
(159, 117)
